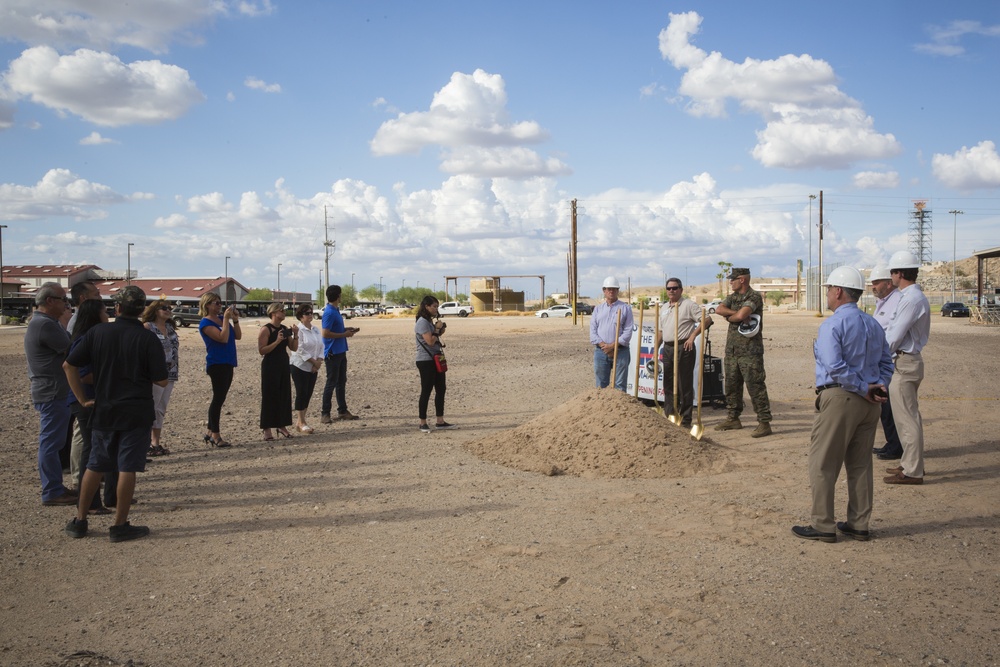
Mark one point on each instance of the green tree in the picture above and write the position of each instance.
(348, 297)
(776, 297)
(370, 293)
(259, 294)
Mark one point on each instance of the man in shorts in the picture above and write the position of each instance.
(127, 359)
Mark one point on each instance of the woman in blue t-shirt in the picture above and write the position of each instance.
(220, 329)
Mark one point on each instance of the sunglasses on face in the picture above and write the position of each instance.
(673, 289)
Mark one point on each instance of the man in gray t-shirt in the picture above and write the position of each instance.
(45, 346)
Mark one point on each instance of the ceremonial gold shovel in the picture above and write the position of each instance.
(656, 364)
(698, 429)
(614, 357)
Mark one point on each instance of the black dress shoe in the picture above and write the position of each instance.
(861, 535)
(879, 450)
(889, 456)
(810, 533)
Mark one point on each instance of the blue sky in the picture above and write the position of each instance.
(448, 138)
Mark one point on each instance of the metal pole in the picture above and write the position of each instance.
(954, 249)
(276, 297)
(2, 227)
(225, 285)
(328, 245)
(128, 269)
(809, 273)
(819, 285)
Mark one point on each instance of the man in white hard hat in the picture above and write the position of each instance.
(907, 335)
(744, 363)
(886, 299)
(603, 325)
(853, 368)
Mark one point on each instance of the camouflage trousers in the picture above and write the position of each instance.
(748, 369)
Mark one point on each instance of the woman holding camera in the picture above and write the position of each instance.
(428, 335)
(157, 318)
(275, 382)
(220, 329)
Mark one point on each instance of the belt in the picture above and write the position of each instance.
(832, 385)
(668, 342)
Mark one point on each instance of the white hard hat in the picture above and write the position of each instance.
(750, 327)
(880, 272)
(904, 259)
(846, 276)
(610, 281)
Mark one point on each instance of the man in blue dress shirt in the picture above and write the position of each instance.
(853, 369)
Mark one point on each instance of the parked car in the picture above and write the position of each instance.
(558, 310)
(454, 308)
(711, 306)
(584, 309)
(185, 316)
(954, 309)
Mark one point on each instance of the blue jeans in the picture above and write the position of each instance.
(55, 417)
(336, 378)
(602, 369)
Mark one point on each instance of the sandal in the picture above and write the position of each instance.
(284, 433)
(267, 436)
(156, 450)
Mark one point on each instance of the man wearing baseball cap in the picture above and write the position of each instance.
(744, 363)
(853, 367)
(127, 359)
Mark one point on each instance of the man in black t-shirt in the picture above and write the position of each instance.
(127, 359)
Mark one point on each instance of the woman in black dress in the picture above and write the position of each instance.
(275, 382)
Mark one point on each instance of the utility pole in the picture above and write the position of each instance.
(954, 249)
(329, 245)
(128, 269)
(2, 320)
(277, 296)
(819, 283)
(809, 273)
(573, 268)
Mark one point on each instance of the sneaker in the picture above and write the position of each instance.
(127, 531)
(763, 428)
(424, 428)
(732, 424)
(347, 416)
(325, 419)
(443, 426)
(76, 528)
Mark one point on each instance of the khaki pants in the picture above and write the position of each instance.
(906, 411)
(842, 436)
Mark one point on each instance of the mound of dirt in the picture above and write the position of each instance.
(602, 433)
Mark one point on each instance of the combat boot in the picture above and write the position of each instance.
(763, 428)
(731, 424)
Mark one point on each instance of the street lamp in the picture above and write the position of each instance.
(277, 297)
(2, 227)
(352, 281)
(128, 269)
(381, 294)
(954, 252)
(225, 284)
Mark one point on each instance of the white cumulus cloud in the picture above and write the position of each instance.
(95, 139)
(101, 88)
(874, 180)
(810, 122)
(969, 168)
(468, 118)
(254, 83)
(59, 193)
(152, 26)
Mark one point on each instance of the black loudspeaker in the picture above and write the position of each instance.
(713, 391)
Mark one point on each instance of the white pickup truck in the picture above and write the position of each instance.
(454, 308)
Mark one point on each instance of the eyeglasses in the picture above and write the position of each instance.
(166, 308)
(64, 299)
(672, 289)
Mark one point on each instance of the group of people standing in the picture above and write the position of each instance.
(868, 370)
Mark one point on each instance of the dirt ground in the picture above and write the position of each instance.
(557, 526)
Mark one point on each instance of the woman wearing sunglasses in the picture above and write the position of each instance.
(305, 363)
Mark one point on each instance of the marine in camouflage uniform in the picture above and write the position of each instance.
(744, 362)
